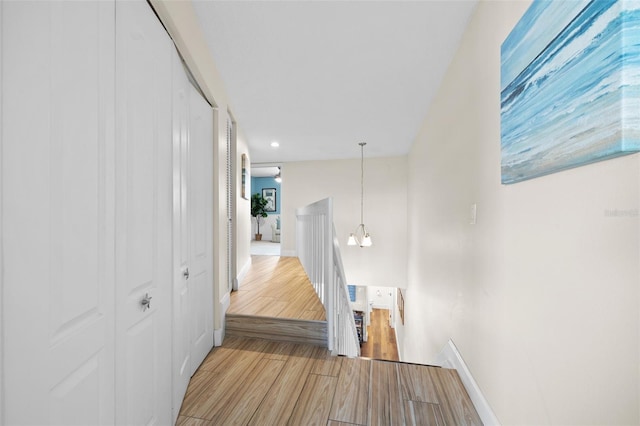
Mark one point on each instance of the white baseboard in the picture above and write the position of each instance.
(218, 333)
(450, 357)
(224, 304)
(218, 336)
(288, 253)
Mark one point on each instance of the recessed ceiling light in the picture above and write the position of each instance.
(274, 144)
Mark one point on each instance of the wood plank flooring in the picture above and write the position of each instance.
(258, 382)
(381, 338)
(281, 329)
(277, 287)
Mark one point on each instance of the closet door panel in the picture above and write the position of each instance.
(201, 226)
(143, 201)
(57, 107)
(181, 290)
(193, 223)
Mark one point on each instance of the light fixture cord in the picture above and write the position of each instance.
(362, 144)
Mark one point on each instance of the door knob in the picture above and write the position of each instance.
(186, 273)
(146, 302)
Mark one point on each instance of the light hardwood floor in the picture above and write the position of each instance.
(258, 382)
(250, 381)
(381, 338)
(277, 287)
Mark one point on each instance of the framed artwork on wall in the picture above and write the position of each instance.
(269, 194)
(569, 87)
(245, 178)
(401, 305)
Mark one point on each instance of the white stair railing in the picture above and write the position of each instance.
(319, 253)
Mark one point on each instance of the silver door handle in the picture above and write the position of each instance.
(185, 273)
(146, 302)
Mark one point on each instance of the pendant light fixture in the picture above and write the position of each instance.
(360, 237)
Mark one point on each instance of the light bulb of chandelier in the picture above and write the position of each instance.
(352, 240)
(366, 241)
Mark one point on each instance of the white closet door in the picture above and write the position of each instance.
(181, 297)
(2, 379)
(193, 227)
(143, 220)
(57, 163)
(200, 226)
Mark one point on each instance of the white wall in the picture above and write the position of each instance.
(243, 211)
(381, 297)
(385, 214)
(541, 296)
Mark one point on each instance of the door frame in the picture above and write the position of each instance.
(2, 319)
(232, 280)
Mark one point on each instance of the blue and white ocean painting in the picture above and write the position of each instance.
(570, 86)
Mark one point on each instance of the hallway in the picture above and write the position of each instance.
(381, 338)
(277, 287)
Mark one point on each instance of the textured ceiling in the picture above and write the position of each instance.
(320, 76)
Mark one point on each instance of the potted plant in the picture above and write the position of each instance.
(258, 205)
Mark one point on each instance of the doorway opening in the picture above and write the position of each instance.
(265, 182)
(378, 320)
